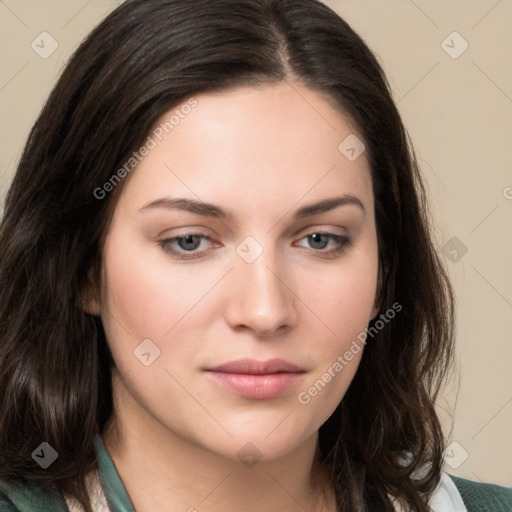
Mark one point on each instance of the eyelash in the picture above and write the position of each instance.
(343, 241)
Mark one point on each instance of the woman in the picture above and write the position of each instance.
(219, 289)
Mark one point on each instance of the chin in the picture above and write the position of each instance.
(265, 442)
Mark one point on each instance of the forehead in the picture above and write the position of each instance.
(264, 146)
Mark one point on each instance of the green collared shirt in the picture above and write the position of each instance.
(477, 497)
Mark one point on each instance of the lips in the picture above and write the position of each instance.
(253, 367)
(254, 379)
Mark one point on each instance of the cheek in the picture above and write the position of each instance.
(144, 294)
(342, 302)
(147, 297)
(343, 299)
(147, 310)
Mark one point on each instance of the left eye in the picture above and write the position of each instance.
(187, 243)
(321, 240)
(185, 247)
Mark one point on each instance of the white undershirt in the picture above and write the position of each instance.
(96, 494)
(445, 498)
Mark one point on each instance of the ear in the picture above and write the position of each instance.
(91, 299)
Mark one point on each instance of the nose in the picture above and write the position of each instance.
(260, 298)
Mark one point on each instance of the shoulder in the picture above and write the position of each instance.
(29, 497)
(478, 496)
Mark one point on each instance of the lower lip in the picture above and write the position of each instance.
(258, 387)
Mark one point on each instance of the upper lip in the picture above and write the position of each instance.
(254, 367)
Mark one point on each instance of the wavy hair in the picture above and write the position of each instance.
(384, 441)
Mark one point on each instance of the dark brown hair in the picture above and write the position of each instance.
(144, 58)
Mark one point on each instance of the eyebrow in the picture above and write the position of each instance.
(214, 211)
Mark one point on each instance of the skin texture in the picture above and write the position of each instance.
(261, 153)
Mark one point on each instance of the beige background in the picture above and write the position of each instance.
(459, 114)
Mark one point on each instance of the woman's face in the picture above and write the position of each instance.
(236, 332)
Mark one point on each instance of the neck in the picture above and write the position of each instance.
(158, 466)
